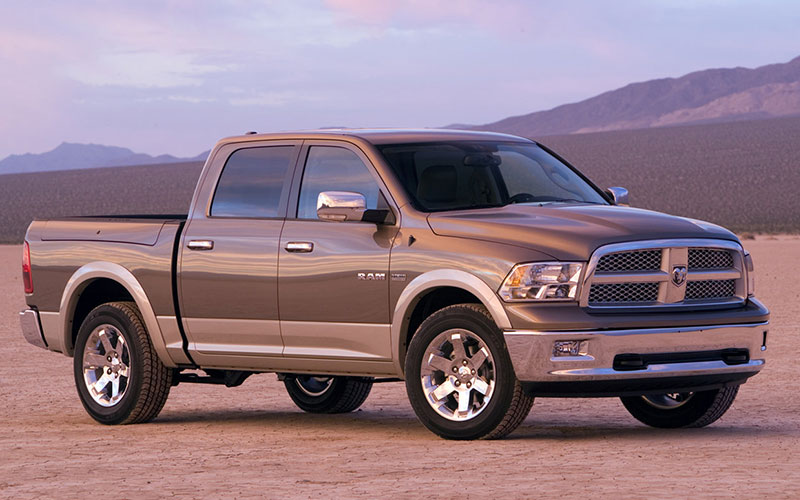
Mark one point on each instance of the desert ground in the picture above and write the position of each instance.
(251, 441)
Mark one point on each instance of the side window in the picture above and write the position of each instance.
(252, 182)
(334, 169)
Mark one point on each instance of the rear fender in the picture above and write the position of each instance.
(81, 279)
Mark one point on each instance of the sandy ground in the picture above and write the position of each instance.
(251, 441)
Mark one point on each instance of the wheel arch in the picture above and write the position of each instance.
(113, 279)
(458, 285)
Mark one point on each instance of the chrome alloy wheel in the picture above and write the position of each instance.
(313, 386)
(458, 374)
(106, 359)
(668, 401)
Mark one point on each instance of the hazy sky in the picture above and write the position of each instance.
(168, 76)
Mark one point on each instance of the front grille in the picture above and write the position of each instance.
(710, 289)
(640, 260)
(615, 293)
(710, 258)
(648, 274)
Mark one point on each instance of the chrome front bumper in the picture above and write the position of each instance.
(532, 354)
(32, 328)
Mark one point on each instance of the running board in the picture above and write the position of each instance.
(228, 378)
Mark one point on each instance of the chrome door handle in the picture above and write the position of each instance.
(299, 246)
(200, 245)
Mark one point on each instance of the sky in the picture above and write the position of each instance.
(173, 76)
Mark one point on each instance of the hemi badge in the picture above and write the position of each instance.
(398, 276)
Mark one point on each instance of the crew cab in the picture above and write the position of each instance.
(482, 269)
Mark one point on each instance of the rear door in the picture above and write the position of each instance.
(334, 276)
(229, 254)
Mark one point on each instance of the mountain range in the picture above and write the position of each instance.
(71, 156)
(712, 95)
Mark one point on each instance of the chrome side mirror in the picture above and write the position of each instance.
(341, 206)
(618, 195)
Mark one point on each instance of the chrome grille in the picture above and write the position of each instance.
(710, 258)
(665, 273)
(641, 260)
(710, 289)
(615, 293)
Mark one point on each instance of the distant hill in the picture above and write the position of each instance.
(741, 174)
(712, 95)
(70, 156)
(148, 189)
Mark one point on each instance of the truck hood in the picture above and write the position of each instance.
(567, 231)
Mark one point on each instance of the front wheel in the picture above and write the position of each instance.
(459, 376)
(322, 394)
(685, 409)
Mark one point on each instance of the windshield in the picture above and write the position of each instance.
(464, 175)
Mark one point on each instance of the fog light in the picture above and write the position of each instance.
(568, 348)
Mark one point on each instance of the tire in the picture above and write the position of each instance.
(318, 394)
(467, 392)
(690, 409)
(112, 350)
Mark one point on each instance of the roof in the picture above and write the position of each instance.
(386, 136)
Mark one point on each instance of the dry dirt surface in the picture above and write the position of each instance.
(250, 441)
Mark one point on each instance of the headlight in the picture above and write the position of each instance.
(542, 281)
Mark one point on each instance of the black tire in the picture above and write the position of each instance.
(325, 394)
(698, 410)
(148, 381)
(508, 404)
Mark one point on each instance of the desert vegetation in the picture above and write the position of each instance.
(742, 175)
(150, 189)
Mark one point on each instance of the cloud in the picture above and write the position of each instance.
(142, 70)
(272, 99)
(140, 73)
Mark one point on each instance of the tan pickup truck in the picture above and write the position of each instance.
(480, 268)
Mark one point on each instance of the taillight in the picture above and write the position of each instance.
(27, 277)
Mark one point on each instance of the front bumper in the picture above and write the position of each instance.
(32, 327)
(679, 358)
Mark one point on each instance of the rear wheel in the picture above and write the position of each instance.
(119, 377)
(459, 377)
(323, 394)
(685, 409)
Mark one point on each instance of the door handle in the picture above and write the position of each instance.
(299, 246)
(200, 245)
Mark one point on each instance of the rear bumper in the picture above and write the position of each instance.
(673, 358)
(32, 327)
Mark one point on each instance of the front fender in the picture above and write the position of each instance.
(439, 278)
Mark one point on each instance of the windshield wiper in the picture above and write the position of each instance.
(569, 200)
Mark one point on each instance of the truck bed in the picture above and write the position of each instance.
(144, 245)
(134, 229)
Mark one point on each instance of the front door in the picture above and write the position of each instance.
(334, 276)
(229, 255)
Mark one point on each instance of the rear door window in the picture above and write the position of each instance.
(253, 182)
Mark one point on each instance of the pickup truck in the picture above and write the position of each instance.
(482, 269)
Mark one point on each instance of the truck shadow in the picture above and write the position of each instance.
(637, 432)
(397, 424)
